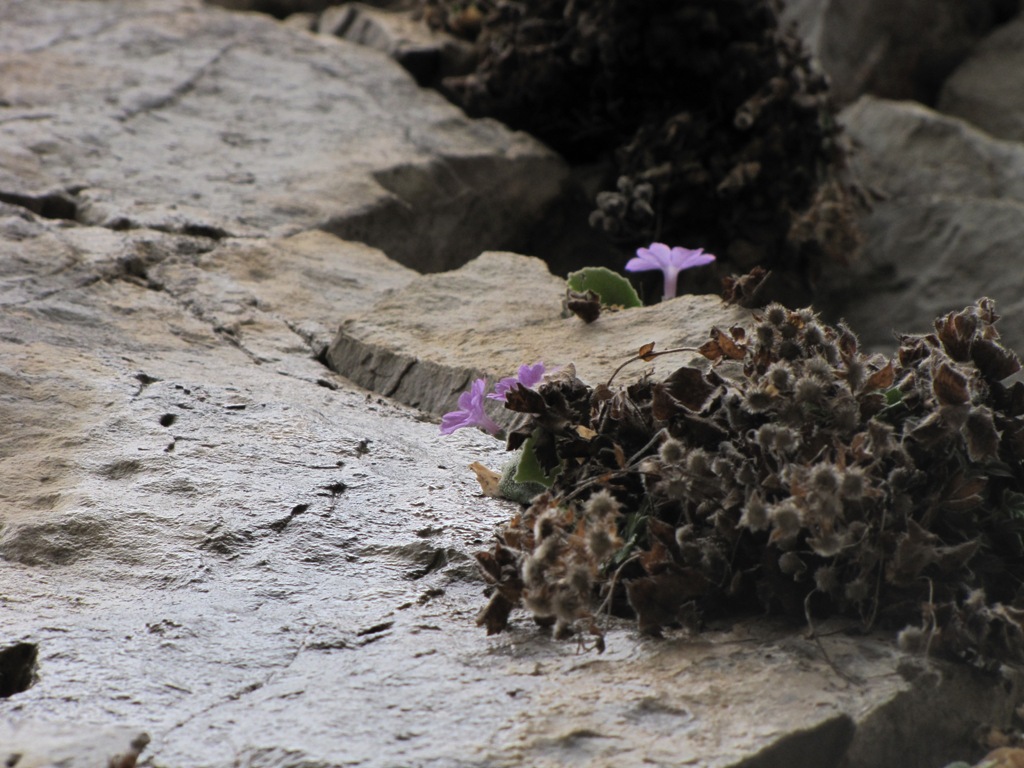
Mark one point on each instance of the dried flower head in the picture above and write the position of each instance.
(808, 390)
(672, 451)
(780, 376)
(755, 513)
(824, 479)
(776, 314)
(602, 504)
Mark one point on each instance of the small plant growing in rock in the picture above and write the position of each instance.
(789, 471)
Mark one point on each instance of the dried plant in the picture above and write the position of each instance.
(789, 471)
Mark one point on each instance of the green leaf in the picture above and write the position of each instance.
(613, 289)
(530, 470)
(893, 396)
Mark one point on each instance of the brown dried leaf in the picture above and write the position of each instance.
(645, 351)
(728, 345)
(880, 379)
(495, 615)
(711, 350)
(994, 360)
(663, 405)
(689, 387)
(950, 385)
(981, 436)
(745, 290)
(523, 400)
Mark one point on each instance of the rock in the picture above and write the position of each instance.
(189, 119)
(988, 88)
(423, 345)
(209, 537)
(207, 545)
(428, 55)
(946, 228)
(287, 8)
(898, 50)
(69, 746)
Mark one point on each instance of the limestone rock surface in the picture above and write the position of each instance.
(946, 224)
(988, 88)
(209, 537)
(214, 540)
(170, 115)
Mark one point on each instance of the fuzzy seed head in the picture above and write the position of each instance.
(791, 564)
(779, 376)
(672, 452)
(826, 579)
(790, 349)
(757, 400)
(855, 374)
(819, 368)
(824, 479)
(785, 518)
(755, 513)
(765, 334)
(698, 463)
(602, 504)
(776, 314)
(853, 485)
(787, 440)
(788, 331)
(813, 335)
(808, 391)
(602, 542)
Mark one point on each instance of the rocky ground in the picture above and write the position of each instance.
(227, 519)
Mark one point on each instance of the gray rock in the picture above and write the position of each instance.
(900, 49)
(947, 227)
(69, 746)
(172, 116)
(988, 88)
(428, 55)
(424, 344)
(212, 539)
(255, 562)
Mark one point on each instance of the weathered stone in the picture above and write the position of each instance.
(70, 747)
(173, 116)
(209, 537)
(988, 88)
(946, 229)
(428, 55)
(899, 50)
(423, 345)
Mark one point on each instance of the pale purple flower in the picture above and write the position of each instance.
(528, 376)
(470, 412)
(671, 261)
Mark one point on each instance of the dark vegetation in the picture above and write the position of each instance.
(706, 122)
(789, 472)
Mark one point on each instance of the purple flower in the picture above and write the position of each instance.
(671, 261)
(470, 412)
(529, 376)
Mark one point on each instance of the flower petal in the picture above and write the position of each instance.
(684, 258)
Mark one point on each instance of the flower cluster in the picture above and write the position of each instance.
(470, 412)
